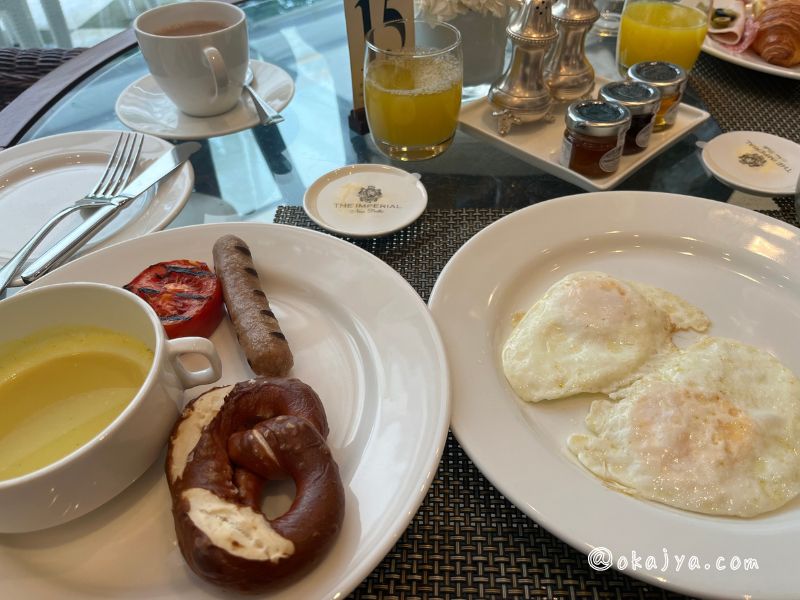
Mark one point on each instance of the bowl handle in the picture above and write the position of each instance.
(194, 345)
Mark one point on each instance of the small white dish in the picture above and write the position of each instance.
(143, 106)
(748, 59)
(540, 143)
(365, 200)
(754, 162)
(40, 177)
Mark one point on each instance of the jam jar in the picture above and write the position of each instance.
(594, 137)
(668, 79)
(642, 100)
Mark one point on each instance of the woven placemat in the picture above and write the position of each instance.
(741, 99)
(786, 211)
(467, 541)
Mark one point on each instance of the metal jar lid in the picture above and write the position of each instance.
(598, 118)
(639, 98)
(669, 79)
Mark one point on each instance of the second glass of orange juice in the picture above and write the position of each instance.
(665, 30)
(413, 76)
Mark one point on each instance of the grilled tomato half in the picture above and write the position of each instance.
(185, 294)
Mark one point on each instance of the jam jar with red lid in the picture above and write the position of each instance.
(594, 137)
(642, 100)
(669, 80)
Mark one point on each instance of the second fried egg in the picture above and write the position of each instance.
(715, 429)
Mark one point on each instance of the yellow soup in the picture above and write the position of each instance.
(660, 31)
(413, 101)
(59, 388)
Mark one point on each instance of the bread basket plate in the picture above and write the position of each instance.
(748, 59)
(361, 337)
(742, 268)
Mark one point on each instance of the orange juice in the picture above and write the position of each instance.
(413, 103)
(660, 31)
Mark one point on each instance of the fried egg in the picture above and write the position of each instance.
(715, 429)
(591, 332)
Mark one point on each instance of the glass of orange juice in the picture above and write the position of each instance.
(413, 74)
(664, 30)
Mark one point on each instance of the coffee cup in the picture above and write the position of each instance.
(197, 53)
(79, 480)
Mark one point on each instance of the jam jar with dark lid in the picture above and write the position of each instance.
(594, 137)
(668, 79)
(642, 100)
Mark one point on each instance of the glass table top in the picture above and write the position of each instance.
(246, 175)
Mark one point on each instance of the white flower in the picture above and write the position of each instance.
(445, 10)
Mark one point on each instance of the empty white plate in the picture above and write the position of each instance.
(40, 177)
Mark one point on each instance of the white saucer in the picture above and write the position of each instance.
(142, 106)
(40, 177)
(754, 162)
(365, 200)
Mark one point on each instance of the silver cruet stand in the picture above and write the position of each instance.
(520, 94)
(568, 73)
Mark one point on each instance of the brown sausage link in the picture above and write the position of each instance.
(264, 429)
(256, 326)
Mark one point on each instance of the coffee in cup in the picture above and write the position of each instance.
(198, 54)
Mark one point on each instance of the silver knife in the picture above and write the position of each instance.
(69, 244)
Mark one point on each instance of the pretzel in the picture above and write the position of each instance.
(226, 445)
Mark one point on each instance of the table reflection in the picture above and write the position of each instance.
(252, 172)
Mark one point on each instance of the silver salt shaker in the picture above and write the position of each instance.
(520, 94)
(568, 73)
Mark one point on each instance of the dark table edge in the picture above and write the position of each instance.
(30, 105)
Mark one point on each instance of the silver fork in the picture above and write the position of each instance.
(116, 175)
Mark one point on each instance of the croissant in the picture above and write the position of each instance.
(778, 38)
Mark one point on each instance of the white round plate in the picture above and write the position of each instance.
(361, 337)
(144, 107)
(740, 267)
(40, 177)
(748, 59)
(754, 162)
(365, 200)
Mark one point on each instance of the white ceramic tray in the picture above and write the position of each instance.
(540, 143)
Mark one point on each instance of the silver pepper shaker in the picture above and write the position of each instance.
(520, 94)
(569, 74)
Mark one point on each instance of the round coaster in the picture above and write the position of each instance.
(365, 200)
(754, 162)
